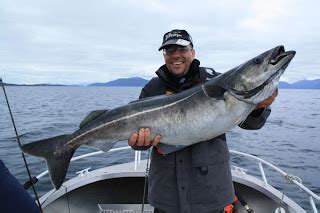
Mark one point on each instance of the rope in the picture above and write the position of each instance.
(145, 182)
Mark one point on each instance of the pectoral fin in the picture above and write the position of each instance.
(214, 91)
(167, 149)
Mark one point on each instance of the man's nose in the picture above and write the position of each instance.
(176, 53)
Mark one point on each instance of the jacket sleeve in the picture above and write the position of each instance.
(143, 93)
(256, 119)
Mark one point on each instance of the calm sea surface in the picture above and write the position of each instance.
(290, 138)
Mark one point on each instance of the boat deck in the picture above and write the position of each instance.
(119, 188)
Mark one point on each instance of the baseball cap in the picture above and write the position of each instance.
(176, 37)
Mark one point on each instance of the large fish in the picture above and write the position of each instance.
(182, 119)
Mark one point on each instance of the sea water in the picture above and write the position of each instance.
(289, 139)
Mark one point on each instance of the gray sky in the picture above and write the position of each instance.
(79, 41)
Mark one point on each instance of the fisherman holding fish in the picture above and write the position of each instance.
(190, 169)
(196, 178)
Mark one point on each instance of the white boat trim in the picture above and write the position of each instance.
(138, 169)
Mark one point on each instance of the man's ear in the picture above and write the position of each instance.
(193, 52)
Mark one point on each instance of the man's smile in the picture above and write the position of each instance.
(177, 63)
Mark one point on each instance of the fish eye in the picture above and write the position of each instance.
(257, 60)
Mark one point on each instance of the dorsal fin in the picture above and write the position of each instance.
(91, 116)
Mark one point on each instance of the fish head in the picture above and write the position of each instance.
(256, 79)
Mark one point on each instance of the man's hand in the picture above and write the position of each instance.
(142, 138)
(267, 102)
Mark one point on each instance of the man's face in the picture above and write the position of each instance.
(178, 58)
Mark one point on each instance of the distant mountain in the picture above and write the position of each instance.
(284, 85)
(134, 82)
(304, 84)
(139, 82)
(9, 84)
(45, 85)
(307, 84)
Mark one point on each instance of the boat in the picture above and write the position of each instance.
(120, 188)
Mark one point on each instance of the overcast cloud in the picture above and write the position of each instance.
(79, 41)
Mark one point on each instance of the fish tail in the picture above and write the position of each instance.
(57, 156)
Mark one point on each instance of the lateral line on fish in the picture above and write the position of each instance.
(129, 116)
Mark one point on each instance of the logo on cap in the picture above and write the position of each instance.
(170, 35)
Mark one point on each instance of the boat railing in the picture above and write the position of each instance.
(291, 178)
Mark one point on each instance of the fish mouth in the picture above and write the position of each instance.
(281, 59)
(280, 56)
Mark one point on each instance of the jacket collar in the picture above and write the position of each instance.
(179, 83)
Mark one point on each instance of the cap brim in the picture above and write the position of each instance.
(180, 42)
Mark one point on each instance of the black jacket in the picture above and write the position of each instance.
(198, 177)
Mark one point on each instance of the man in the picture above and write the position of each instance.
(197, 178)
